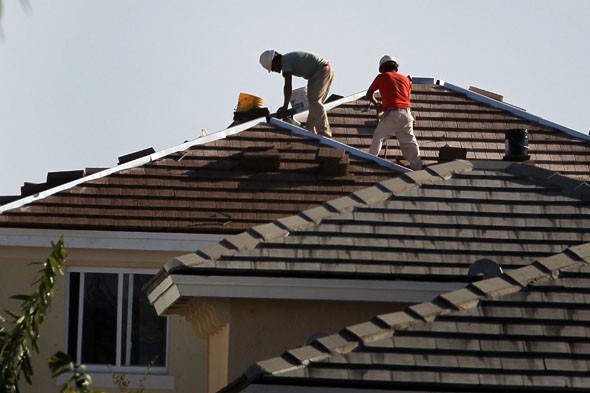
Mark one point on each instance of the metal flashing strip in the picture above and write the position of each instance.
(135, 163)
(513, 110)
(339, 145)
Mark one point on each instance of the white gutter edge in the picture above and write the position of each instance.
(176, 286)
(116, 240)
(338, 145)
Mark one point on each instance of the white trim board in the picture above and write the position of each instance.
(175, 286)
(17, 237)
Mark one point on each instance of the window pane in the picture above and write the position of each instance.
(99, 326)
(73, 315)
(148, 338)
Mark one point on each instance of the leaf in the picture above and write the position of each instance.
(24, 298)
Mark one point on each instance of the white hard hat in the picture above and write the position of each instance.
(266, 59)
(386, 59)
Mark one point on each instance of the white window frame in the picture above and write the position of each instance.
(117, 368)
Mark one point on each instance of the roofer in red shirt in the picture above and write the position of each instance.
(397, 119)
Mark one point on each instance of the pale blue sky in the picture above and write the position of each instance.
(83, 82)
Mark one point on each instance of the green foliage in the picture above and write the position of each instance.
(16, 345)
(79, 381)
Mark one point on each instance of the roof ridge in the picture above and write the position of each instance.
(513, 110)
(384, 326)
(249, 239)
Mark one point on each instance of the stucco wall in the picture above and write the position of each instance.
(263, 329)
(187, 353)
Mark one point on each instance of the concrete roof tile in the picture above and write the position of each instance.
(463, 298)
(293, 223)
(495, 287)
(214, 251)
(556, 262)
(337, 343)
(527, 274)
(398, 185)
(427, 311)
(269, 231)
(368, 332)
(317, 214)
(186, 260)
(371, 195)
(582, 251)
(307, 353)
(446, 170)
(343, 204)
(397, 320)
(243, 241)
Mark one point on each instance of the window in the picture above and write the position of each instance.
(111, 322)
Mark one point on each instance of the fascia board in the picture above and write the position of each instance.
(105, 240)
(176, 286)
(135, 163)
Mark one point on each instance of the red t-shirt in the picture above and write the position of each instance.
(395, 89)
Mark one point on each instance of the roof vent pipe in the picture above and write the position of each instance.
(517, 145)
(486, 268)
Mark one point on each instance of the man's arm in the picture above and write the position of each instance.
(371, 97)
(287, 91)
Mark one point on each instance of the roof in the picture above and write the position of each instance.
(201, 186)
(440, 219)
(424, 226)
(526, 329)
(449, 115)
(214, 185)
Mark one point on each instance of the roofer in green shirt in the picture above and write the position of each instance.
(319, 75)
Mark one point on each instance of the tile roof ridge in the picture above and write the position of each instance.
(204, 138)
(338, 145)
(383, 326)
(248, 240)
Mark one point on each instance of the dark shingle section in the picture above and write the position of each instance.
(207, 189)
(535, 337)
(444, 117)
(433, 231)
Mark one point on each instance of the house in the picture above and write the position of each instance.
(122, 224)
(403, 241)
(525, 330)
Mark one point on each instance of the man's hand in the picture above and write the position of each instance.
(282, 112)
(378, 107)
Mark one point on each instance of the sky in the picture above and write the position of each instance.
(84, 82)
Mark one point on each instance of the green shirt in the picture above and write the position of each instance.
(302, 64)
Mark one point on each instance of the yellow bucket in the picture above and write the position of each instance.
(247, 102)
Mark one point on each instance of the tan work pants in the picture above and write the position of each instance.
(398, 122)
(318, 87)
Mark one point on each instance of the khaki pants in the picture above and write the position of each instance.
(398, 122)
(318, 87)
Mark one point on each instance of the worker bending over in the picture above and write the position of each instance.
(319, 75)
(397, 120)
